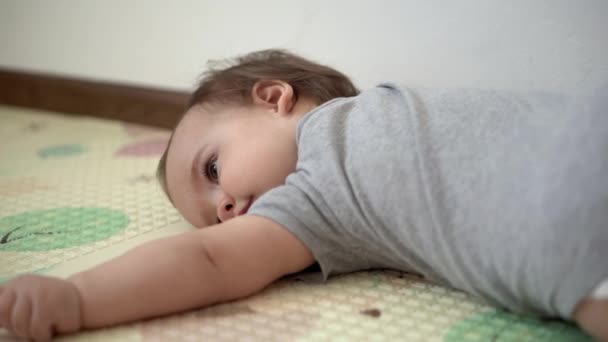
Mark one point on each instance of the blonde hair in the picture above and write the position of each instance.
(231, 81)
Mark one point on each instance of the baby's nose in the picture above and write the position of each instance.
(225, 210)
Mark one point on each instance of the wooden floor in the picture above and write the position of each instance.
(143, 105)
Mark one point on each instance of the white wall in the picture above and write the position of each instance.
(523, 43)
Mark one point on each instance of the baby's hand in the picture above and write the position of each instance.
(36, 307)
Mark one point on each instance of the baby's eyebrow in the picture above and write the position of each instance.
(195, 167)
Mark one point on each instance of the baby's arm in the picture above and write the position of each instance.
(191, 270)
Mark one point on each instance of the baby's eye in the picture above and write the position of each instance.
(211, 170)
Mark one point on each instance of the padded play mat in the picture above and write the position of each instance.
(75, 191)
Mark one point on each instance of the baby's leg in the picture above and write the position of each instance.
(592, 313)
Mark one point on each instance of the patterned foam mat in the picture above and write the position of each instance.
(75, 191)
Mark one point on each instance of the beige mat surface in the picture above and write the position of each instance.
(75, 191)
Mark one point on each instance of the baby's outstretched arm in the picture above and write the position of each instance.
(195, 269)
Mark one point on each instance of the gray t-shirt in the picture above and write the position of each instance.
(498, 193)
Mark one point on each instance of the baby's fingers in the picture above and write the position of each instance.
(21, 316)
(40, 326)
(7, 299)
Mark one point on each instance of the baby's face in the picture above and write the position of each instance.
(220, 162)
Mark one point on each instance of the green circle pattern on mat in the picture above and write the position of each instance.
(45, 230)
(502, 326)
(60, 151)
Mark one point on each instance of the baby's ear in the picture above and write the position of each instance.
(274, 94)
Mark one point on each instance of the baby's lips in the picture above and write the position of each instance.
(246, 207)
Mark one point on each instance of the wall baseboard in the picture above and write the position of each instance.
(149, 106)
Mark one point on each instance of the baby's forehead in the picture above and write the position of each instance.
(185, 140)
(191, 120)
(204, 119)
(197, 126)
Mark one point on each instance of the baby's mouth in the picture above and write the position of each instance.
(246, 207)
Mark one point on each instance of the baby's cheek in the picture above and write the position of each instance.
(277, 173)
(237, 178)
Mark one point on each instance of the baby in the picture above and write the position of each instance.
(285, 165)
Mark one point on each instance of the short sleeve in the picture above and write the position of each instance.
(295, 207)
